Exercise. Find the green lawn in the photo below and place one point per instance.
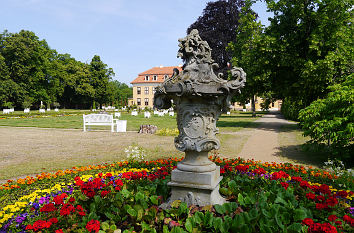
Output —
(73, 120)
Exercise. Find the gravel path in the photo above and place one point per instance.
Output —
(263, 144)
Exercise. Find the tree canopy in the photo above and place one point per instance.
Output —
(31, 72)
(311, 48)
(217, 26)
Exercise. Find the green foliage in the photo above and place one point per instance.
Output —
(311, 48)
(29, 68)
(249, 52)
(330, 121)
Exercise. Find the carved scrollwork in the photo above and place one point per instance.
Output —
(197, 127)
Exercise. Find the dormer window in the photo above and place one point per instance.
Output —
(155, 78)
(165, 77)
(146, 78)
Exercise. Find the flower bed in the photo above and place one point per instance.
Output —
(125, 197)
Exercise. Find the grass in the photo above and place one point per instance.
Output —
(226, 123)
(292, 146)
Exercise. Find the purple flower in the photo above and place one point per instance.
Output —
(35, 206)
(20, 219)
(351, 210)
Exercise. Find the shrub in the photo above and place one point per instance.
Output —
(330, 121)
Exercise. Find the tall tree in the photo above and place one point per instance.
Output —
(100, 77)
(312, 48)
(248, 50)
(28, 61)
(218, 26)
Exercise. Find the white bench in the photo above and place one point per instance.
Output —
(98, 119)
(134, 113)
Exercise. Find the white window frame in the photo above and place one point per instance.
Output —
(146, 90)
(138, 90)
(154, 78)
(146, 78)
(146, 101)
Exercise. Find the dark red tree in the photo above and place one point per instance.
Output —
(217, 26)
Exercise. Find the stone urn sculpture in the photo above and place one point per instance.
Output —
(199, 96)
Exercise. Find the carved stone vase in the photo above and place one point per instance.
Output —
(199, 96)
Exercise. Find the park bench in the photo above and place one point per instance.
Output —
(98, 119)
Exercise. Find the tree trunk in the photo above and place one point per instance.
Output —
(253, 103)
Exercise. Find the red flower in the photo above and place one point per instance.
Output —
(332, 218)
(71, 199)
(348, 220)
(53, 220)
(325, 227)
(332, 201)
(48, 208)
(93, 226)
(307, 222)
(342, 194)
(82, 213)
(284, 184)
(311, 196)
(338, 223)
(259, 171)
(79, 208)
(58, 200)
(59, 231)
(119, 182)
(296, 178)
(324, 189)
(67, 209)
(41, 224)
(29, 227)
(321, 206)
(104, 193)
(304, 184)
(241, 168)
(321, 198)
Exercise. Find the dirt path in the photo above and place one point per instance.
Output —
(263, 144)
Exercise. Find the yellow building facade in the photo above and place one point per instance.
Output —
(145, 84)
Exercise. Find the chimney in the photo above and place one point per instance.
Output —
(161, 66)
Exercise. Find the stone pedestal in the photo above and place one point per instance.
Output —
(196, 188)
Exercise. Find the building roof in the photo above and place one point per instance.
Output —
(160, 71)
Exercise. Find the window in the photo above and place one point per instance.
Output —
(146, 78)
(138, 101)
(138, 90)
(146, 101)
(146, 91)
(154, 90)
(155, 78)
(165, 77)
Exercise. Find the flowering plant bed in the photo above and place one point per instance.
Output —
(125, 197)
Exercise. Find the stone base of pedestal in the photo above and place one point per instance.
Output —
(195, 188)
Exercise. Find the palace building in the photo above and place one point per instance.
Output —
(145, 84)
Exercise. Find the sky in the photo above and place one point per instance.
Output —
(130, 36)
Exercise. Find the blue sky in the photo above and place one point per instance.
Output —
(130, 36)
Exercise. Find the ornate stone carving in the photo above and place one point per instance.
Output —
(200, 96)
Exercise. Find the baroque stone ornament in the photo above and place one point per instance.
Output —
(199, 96)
